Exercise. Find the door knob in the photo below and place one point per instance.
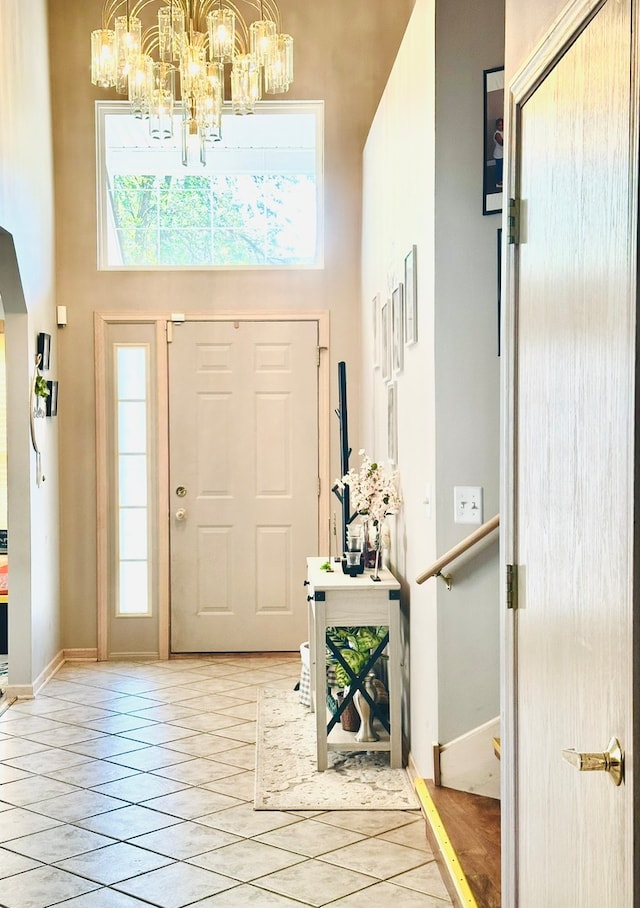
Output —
(181, 514)
(611, 761)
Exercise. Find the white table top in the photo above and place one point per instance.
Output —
(338, 580)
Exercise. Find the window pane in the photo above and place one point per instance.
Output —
(133, 533)
(132, 475)
(134, 588)
(132, 427)
(256, 203)
(132, 373)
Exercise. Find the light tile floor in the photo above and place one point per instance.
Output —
(125, 785)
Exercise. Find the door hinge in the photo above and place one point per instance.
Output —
(319, 486)
(513, 222)
(512, 586)
(169, 327)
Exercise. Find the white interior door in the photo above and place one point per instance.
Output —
(574, 463)
(244, 483)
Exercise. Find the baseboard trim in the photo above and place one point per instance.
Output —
(29, 691)
(90, 654)
(444, 851)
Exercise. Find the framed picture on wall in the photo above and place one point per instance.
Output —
(499, 284)
(375, 325)
(397, 308)
(493, 147)
(44, 351)
(385, 340)
(411, 297)
(392, 423)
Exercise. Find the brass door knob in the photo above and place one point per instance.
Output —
(611, 761)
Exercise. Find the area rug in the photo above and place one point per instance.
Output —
(286, 773)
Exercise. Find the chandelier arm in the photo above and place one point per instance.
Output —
(109, 11)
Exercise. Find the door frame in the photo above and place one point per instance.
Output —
(163, 322)
(575, 17)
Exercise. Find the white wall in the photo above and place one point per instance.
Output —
(423, 186)
(26, 212)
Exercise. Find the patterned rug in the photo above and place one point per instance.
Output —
(286, 774)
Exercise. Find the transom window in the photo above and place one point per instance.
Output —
(257, 203)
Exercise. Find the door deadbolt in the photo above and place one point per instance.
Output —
(181, 491)
(611, 761)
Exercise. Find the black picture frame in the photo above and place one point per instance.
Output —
(51, 400)
(44, 351)
(493, 93)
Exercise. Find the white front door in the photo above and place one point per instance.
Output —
(572, 439)
(243, 416)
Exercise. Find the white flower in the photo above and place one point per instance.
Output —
(372, 491)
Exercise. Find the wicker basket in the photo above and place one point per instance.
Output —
(349, 719)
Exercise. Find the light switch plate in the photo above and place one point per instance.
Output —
(467, 504)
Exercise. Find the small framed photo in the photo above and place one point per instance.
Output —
(44, 351)
(411, 296)
(51, 400)
(397, 306)
(493, 140)
(392, 423)
(375, 325)
(385, 340)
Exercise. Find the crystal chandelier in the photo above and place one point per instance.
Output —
(190, 43)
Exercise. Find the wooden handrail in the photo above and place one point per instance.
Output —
(436, 568)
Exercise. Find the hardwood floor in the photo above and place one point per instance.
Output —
(472, 823)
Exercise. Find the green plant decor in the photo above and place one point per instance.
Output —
(355, 644)
(41, 387)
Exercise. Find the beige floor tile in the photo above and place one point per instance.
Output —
(114, 863)
(149, 758)
(199, 771)
(244, 821)
(34, 789)
(425, 879)
(203, 745)
(369, 822)
(245, 896)
(17, 822)
(55, 844)
(41, 887)
(242, 785)
(104, 898)
(383, 894)
(186, 840)
(191, 803)
(414, 835)
(376, 858)
(140, 787)
(16, 747)
(11, 774)
(314, 882)
(244, 731)
(246, 860)
(127, 822)
(105, 746)
(244, 756)
(77, 805)
(12, 863)
(176, 885)
(310, 838)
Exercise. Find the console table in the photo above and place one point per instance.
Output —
(338, 600)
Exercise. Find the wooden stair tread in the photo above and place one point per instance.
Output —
(472, 824)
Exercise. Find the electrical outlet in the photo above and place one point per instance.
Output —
(467, 504)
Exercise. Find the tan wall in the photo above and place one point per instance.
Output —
(351, 84)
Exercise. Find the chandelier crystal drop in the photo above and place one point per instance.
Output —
(180, 57)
